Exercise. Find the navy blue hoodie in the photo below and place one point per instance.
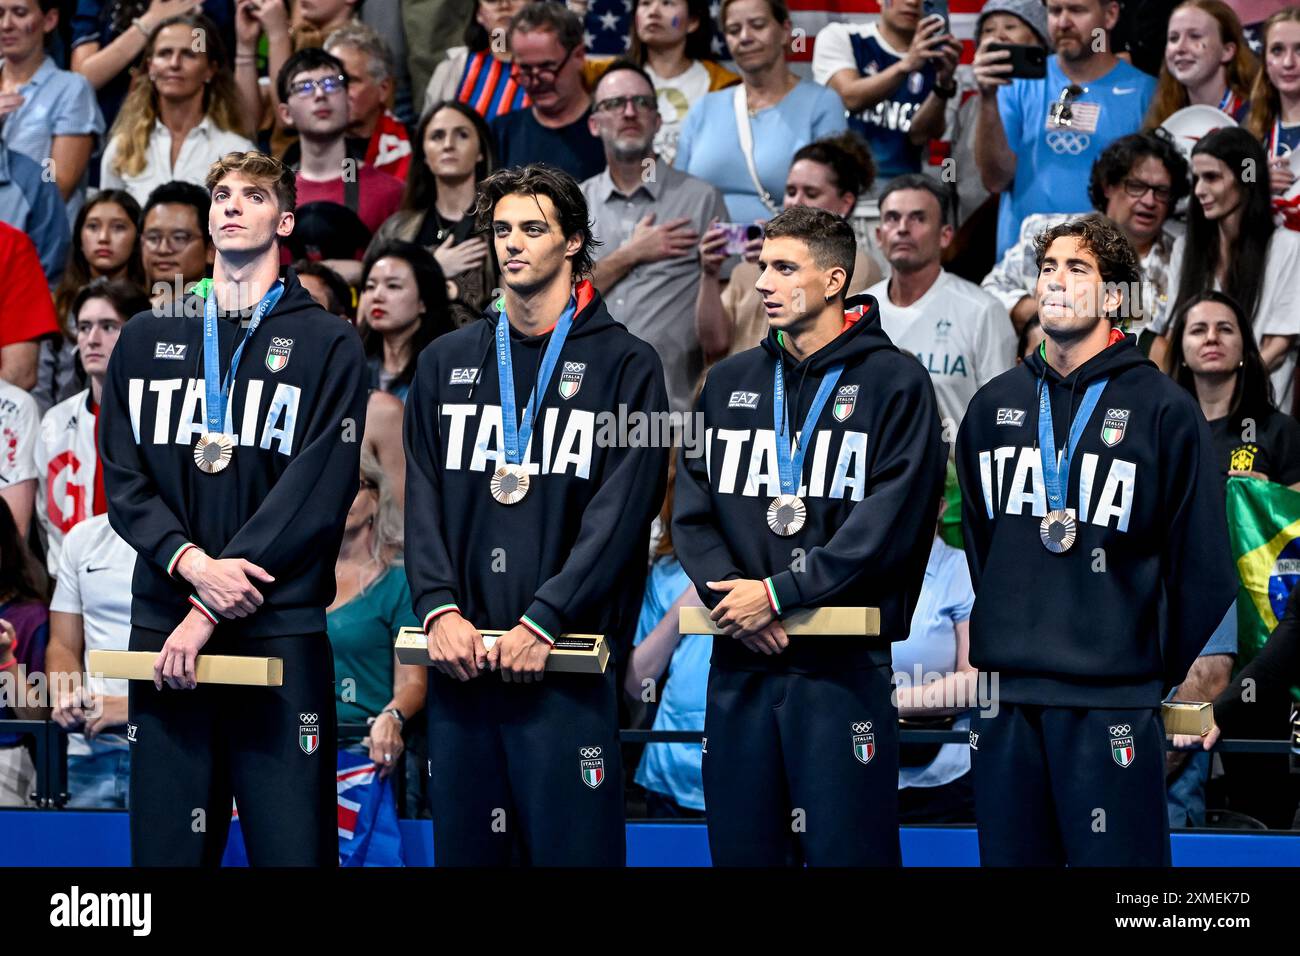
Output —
(298, 409)
(571, 556)
(872, 480)
(1119, 618)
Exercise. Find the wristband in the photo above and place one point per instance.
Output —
(945, 92)
(139, 25)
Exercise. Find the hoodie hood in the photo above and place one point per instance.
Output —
(1120, 356)
(591, 317)
(862, 335)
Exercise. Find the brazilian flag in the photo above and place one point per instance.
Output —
(1264, 524)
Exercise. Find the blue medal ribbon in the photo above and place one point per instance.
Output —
(790, 466)
(515, 433)
(1053, 477)
(218, 393)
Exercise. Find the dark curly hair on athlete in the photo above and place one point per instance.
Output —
(1116, 260)
(539, 179)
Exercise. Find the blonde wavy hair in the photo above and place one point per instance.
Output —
(139, 112)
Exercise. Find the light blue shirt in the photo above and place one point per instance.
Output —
(709, 143)
(1053, 165)
(674, 769)
(55, 103)
(33, 204)
(931, 646)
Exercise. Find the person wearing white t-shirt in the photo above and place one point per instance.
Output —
(91, 610)
(19, 424)
(961, 334)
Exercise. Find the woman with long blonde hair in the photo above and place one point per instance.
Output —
(1274, 114)
(179, 118)
(1207, 62)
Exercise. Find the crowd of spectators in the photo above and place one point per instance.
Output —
(949, 150)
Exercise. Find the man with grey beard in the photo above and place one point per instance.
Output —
(649, 217)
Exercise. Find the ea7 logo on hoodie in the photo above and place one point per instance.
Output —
(153, 402)
(1026, 492)
(1010, 416)
(463, 376)
(743, 400)
(169, 350)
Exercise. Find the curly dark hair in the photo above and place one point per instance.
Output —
(1116, 260)
(847, 157)
(540, 179)
(1117, 159)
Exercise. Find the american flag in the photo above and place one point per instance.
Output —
(608, 23)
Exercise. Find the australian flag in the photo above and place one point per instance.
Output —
(368, 831)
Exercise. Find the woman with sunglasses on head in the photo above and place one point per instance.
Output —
(181, 117)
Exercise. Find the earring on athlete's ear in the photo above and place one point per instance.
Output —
(1241, 363)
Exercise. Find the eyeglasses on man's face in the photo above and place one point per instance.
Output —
(1137, 188)
(617, 104)
(329, 85)
(541, 73)
(177, 239)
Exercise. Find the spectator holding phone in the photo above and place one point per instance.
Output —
(829, 174)
(895, 77)
(1207, 63)
(1019, 22)
(1036, 139)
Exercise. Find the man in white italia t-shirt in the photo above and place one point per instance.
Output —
(961, 334)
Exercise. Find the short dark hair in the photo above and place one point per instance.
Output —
(828, 237)
(1117, 159)
(847, 157)
(622, 63)
(177, 193)
(553, 17)
(126, 297)
(339, 291)
(539, 179)
(1116, 260)
(304, 61)
(922, 182)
